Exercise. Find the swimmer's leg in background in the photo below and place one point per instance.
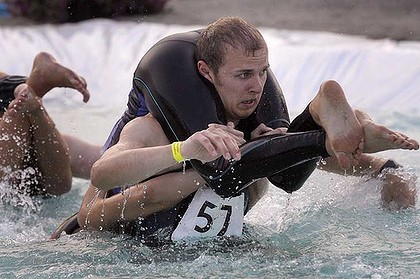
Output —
(15, 140)
(50, 150)
(82, 155)
(28, 126)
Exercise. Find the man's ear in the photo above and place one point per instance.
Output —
(205, 70)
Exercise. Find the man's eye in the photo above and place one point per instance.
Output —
(245, 75)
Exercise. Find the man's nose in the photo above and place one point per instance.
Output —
(258, 83)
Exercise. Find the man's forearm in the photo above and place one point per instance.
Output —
(140, 200)
(125, 168)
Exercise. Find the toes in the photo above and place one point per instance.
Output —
(83, 81)
(79, 84)
(86, 95)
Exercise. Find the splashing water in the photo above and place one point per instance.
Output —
(18, 196)
(334, 226)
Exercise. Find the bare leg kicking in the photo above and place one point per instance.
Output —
(30, 139)
(29, 127)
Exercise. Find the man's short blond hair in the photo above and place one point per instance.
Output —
(233, 31)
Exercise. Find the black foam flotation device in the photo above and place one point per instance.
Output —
(184, 102)
(287, 160)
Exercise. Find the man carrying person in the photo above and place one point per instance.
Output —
(139, 187)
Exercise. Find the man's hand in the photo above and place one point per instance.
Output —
(217, 140)
(263, 130)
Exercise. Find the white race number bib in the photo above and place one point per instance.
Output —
(210, 215)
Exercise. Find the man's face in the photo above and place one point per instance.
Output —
(240, 81)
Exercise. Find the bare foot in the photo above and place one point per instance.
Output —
(331, 111)
(379, 138)
(47, 73)
(25, 101)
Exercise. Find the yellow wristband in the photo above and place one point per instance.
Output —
(176, 151)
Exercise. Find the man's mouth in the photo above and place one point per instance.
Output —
(250, 102)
